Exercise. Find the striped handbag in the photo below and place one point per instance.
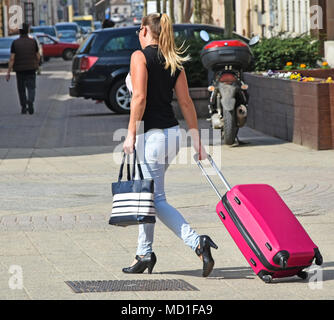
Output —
(133, 200)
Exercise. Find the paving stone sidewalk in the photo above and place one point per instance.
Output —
(54, 213)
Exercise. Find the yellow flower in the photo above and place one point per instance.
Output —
(325, 63)
(303, 66)
(296, 76)
(309, 79)
(329, 80)
(289, 64)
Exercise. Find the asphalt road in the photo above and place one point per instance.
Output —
(59, 121)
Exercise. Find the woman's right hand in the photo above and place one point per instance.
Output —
(202, 154)
(129, 144)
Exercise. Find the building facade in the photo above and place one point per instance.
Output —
(2, 31)
(267, 17)
(121, 7)
(34, 12)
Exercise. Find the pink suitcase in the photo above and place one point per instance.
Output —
(267, 233)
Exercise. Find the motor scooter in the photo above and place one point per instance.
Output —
(228, 104)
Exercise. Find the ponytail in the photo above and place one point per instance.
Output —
(162, 29)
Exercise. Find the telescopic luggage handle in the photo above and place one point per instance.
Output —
(228, 187)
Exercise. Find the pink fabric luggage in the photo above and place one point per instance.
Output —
(267, 233)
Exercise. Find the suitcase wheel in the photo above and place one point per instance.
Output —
(303, 275)
(267, 279)
(318, 257)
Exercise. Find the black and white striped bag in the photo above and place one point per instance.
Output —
(133, 200)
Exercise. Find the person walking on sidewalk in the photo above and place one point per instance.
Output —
(156, 71)
(25, 61)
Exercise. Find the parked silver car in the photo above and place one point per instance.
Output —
(6, 44)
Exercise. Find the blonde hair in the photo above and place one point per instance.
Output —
(162, 30)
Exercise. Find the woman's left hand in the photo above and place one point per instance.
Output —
(129, 144)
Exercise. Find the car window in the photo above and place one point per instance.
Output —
(121, 44)
(214, 35)
(66, 27)
(45, 40)
(218, 35)
(68, 34)
(179, 34)
(87, 44)
(5, 43)
(49, 31)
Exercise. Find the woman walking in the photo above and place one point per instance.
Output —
(156, 71)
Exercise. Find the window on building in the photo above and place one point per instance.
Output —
(287, 15)
(293, 16)
(306, 15)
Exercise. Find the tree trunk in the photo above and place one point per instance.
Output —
(198, 11)
(164, 6)
(171, 10)
(188, 11)
(158, 6)
(229, 18)
(145, 8)
(180, 11)
(207, 12)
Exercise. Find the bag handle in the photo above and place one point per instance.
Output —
(120, 177)
(135, 162)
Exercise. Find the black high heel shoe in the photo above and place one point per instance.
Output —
(148, 262)
(204, 250)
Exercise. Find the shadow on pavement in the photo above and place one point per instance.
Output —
(95, 115)
(219, 273)
(247, 273)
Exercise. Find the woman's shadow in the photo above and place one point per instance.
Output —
(219, 273)
(316, 273)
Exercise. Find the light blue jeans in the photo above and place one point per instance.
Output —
(160, 148)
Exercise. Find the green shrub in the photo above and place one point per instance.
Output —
(197, 75)
(274, 53)
(270, 54)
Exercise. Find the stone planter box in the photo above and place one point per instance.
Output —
(200, 97)
(298, 112)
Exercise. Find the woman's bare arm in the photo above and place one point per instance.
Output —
(189, 112)
(139, 76)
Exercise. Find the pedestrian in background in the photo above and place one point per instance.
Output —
(156, 71)
(24, 60)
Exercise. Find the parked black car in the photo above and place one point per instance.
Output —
(103, 61)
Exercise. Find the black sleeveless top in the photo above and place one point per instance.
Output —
(159, 112)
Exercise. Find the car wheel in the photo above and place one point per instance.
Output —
(120, 98)
(108, 105)
(68, 54)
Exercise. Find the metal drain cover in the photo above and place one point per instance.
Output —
(129, 285)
